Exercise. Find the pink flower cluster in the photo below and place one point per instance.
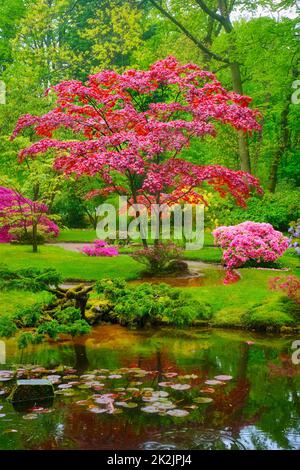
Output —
(290, 285)
(100, 248)
(249, 241)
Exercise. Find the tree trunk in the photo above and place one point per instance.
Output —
(34, 238)
(283, 144)
(242, 137)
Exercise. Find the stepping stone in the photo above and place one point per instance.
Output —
(31, 390)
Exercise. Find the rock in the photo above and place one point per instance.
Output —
(177, 266)
(31, 390)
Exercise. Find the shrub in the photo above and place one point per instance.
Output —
(152, 304)
(271, 313)
(100, 248)
(158, 258)
(249, 241)
(277, 209)
(7, 327)
(32, 279)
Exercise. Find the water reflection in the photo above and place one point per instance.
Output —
(258, 409)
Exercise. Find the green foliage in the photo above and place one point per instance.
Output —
(7, 327)
(32, 279)
(28, 317)
(159, 257)
(26, 338)
(152, 304)
(269, 314)
(278, 209)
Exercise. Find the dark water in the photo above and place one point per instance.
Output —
(259, 408)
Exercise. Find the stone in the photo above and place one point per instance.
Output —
(31, 390)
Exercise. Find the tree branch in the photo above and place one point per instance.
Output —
(210, 12)
(188, 34)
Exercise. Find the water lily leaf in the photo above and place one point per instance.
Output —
(178, 413)
(170, 375)
(203, 400)
(164, 406)
(30, 416)
(166, 384)
(213, 382)
(88, 377)
(150, 409)
(64, 386)
(180, 386)
(223, 377)
(207, 390)
(82, 402)
(95, 409)
(103, 400)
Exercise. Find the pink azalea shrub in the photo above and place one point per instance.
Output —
(249, 241)
(100, 248)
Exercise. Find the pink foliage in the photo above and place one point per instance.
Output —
(249, 241)
(231, 277)
(100, 248)
(16, 211)
(121, 134)
(289, 285)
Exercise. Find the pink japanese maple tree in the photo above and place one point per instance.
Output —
(22, 218)
(130, 129)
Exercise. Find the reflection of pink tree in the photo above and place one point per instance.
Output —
(20, 216)
(130, 129)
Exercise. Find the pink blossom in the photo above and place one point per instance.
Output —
(249, 241)
(100, 248)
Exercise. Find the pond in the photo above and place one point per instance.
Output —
(166, 389)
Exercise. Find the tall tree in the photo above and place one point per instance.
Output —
(218, 13)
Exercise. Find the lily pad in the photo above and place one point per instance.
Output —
(203, 400)
(150, 409)
(178, 413)
(207, 390)
(166, 384)
(30, 416)
(213, 382)
(97, 410)
(223, 377)
(180, 386)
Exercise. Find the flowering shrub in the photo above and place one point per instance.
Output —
(289, 285)
(250, 241)
(158, 258)
(100, 248)
(294, 232)
(17, 215)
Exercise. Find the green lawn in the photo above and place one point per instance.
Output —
(230, 302)
(12, 300)
(77, 235)
(71, 265)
